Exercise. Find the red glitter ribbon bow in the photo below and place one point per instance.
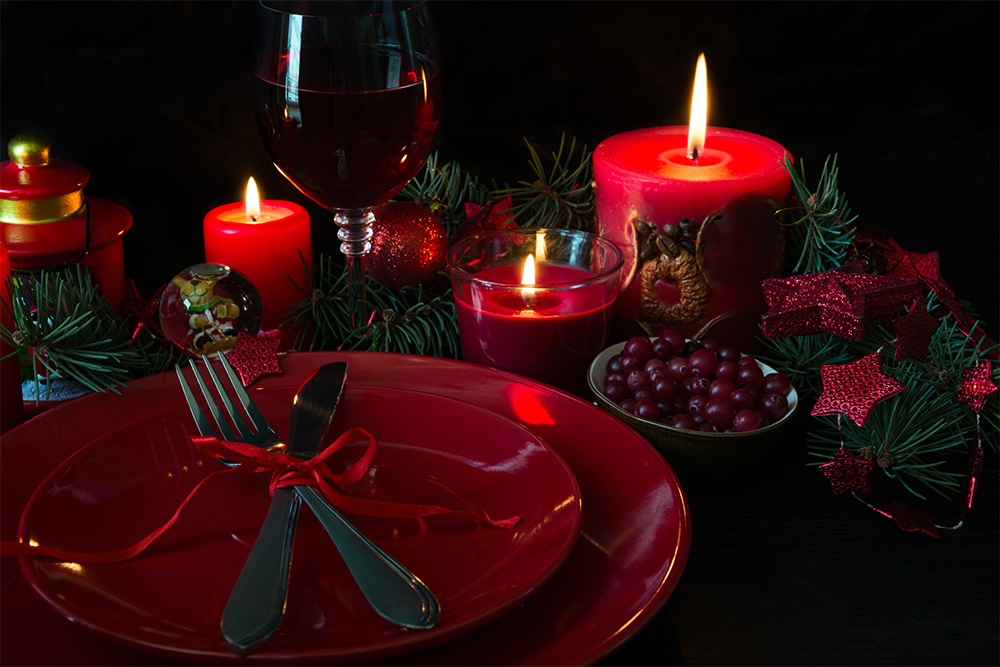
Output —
(285, 471)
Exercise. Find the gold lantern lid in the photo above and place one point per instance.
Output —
(34, 188)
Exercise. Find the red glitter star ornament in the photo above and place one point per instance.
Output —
(848, 472)
(811, 303)
(976, 386)
(254, 356)
(910, 519)
(854, 389)
(493, 216)
(914, 332)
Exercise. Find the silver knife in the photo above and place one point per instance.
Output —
(257, 603)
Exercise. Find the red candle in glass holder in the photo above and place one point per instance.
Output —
(693, 209)
(263, 241)
(544, 319)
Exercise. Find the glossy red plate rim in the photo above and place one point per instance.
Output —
(616, 579)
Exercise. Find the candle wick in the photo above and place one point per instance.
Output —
(253, 218)
(694, 155)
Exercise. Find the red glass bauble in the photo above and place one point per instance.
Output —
(408, 245)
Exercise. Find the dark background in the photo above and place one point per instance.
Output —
(153, 98)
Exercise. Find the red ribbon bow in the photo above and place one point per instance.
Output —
(285, 471)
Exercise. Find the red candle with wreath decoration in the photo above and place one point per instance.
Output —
(693, 210)
(263, 241)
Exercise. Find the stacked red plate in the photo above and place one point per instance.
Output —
(564, 586)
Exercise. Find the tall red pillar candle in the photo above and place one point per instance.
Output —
(548, 328)
(264, 246)
(11, 401)
(697, 226)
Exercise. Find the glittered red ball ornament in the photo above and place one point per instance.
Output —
(408, 245)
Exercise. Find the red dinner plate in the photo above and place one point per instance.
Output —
(634, 538)
(432, 450)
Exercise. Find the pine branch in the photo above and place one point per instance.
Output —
(67, 327)
(561, 197)
(405, 320)
(823, 235)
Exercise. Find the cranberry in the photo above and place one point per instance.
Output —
(630, 362)
(678, 368)
(726, 370)
(615, 377)
(663, 349)
(774, 406)
(616, 391)
(743, 398)
(639, 394)
(646, 409)
(627, 405)
(746, 420)
(710, 344)
(664, 389)
(640, 346)
(776, 383)
(653, 363)
(719, 413)
(637, 380)
(728, 353)
(721, 389)
(674, 338)
(696, 405)
(702, 362)
(748, 374)
(682, 421)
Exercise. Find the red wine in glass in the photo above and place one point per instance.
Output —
(349, 150)
(347, 98)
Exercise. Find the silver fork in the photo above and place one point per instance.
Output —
(395, 593)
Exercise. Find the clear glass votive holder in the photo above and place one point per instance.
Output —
(549, 326)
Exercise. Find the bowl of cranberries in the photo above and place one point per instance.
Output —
(703, 404)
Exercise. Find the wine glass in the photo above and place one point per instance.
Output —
(347, 100)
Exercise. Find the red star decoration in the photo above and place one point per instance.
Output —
(254, 357)
(914, 332)
(854, 389)
(493, 216)
(976, 386)
(910, 519)
(848, 472)
(925, 267)
(811, 303)
(881, 296)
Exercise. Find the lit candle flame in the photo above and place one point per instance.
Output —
(528, 278)
(252, 202)
(699, 112)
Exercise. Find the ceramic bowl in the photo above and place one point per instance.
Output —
(694, 452)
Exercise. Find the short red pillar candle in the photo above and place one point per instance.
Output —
(729, 189)
(11, 401)
(548, 328)
(264, 246)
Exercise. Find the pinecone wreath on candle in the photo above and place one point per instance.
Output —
(669, 264)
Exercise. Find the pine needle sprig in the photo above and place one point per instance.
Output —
(823, 235)
(445, 191)
(558, 197)
(407, 320)
(70, 331)
(799, 358)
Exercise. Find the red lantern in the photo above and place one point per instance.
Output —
(47, 223)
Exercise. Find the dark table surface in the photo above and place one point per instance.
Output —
(784, 572)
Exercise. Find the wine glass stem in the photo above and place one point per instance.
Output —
(355, 235)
